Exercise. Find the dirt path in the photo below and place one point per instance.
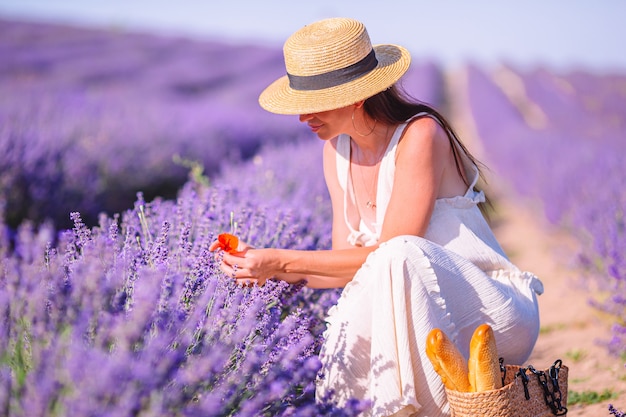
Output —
(571, 329)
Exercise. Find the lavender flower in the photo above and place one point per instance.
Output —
(140, 302)
(616, 412)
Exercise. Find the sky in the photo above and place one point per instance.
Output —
(561, 35)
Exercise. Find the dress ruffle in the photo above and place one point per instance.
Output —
(471, 199)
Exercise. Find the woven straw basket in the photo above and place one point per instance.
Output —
(510, 400)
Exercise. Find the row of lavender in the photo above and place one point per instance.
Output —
(89, 117)
(132, 317)
(561, 138)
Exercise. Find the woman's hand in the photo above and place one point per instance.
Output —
(251, 265)
(246, 264)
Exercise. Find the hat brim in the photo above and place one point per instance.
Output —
(280, 98)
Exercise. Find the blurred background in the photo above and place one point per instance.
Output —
(560, 34)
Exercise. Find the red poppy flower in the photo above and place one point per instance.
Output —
(228, 243)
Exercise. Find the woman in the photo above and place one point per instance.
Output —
(409, 243)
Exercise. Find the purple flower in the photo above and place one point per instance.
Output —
(616, 412)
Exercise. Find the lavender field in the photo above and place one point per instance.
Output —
(122, 156)
(559, 139)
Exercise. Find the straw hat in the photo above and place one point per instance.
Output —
(331, 64)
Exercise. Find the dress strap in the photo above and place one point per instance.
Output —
(343, 160)
(350, 212)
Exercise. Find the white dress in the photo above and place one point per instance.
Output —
(455, 278)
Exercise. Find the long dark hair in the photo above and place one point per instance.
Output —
(393, 106)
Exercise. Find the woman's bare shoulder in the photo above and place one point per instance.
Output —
(424, 132)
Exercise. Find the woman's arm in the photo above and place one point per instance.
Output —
(321, 269)
(420, 165)
(422, 159)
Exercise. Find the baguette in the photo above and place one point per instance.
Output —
(483, 363)
(447, 361)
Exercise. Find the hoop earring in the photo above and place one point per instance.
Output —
(357, 131)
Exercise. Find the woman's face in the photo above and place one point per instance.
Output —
(331, 123)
